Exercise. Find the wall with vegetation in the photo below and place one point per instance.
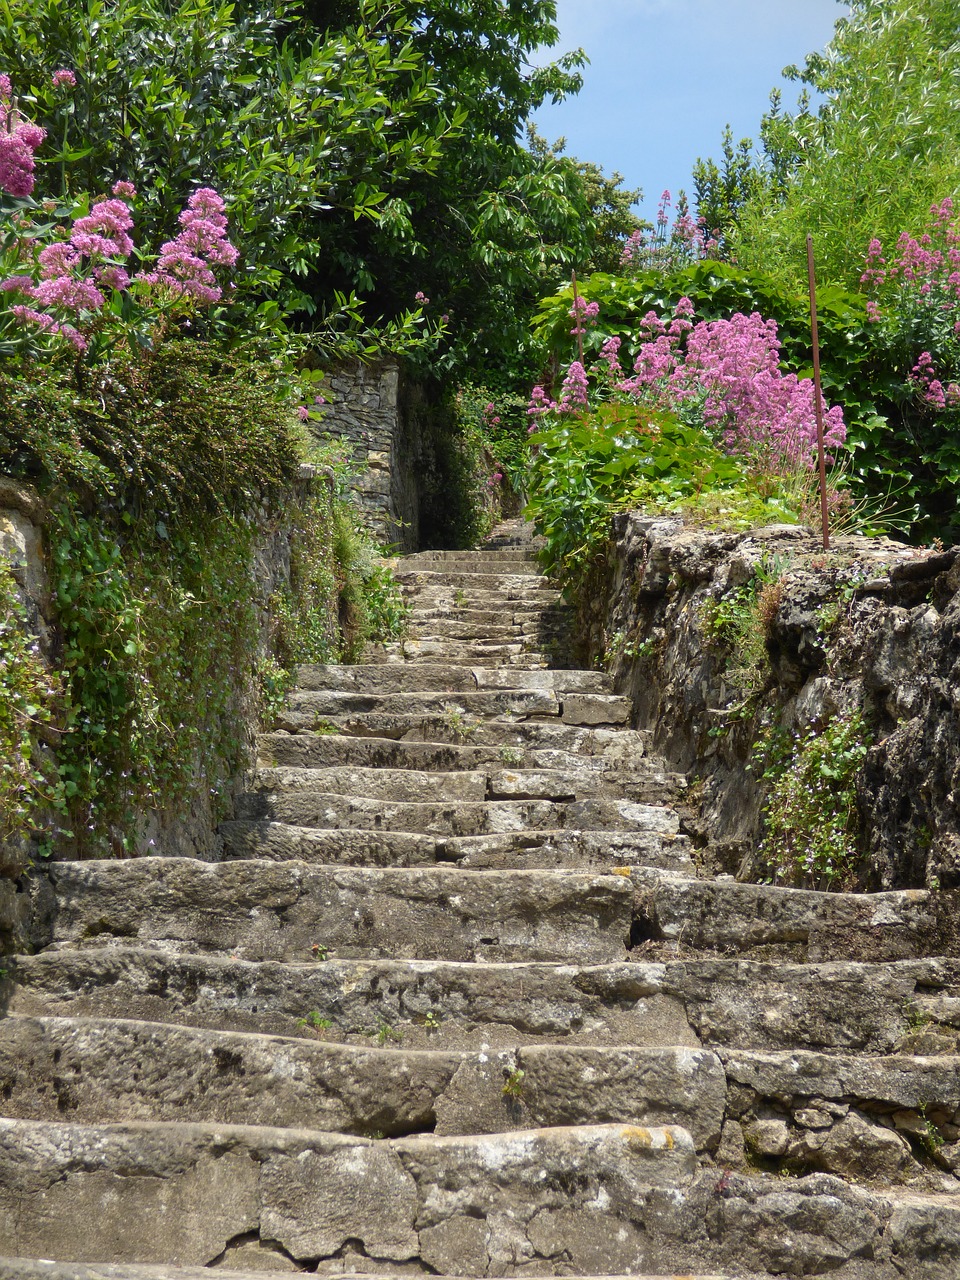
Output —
(812, 696)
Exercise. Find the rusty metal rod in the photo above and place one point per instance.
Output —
(818, 395)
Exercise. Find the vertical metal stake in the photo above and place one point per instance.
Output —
(818, 401)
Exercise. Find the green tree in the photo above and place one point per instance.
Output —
(874, 157)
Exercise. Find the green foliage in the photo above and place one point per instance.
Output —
(738, 623)
(722, 190)
(810, 816)
(158, 639)
(299, 137)
(31, 715)
(620, 456)
(872, 160)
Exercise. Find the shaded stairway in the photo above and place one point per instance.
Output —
(456, 1002)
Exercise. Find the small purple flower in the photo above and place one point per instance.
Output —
(64, 77)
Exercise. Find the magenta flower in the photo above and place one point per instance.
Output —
(124, 190)
(62, 77)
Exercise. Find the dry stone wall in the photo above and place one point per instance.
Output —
(366, 413)
(872, 626)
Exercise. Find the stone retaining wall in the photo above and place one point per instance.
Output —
(872, 626)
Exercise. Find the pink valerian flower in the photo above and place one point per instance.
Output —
(610, 355)
(64, 77)
(421, 298)
(573, 393)
(583, 313)
(103, 233)
(730, 369)
(6, 88)
(185, 265)
(27, 315)
(303, 413)
(19, 140)
(124, 190)
(540, 403)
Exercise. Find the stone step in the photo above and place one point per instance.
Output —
(767, 921)
(593, 851)
(844, 1008)
(418, 786)
(616, 1199)
(38, 1269)
(503, 582)
(101, 1071)
(381, 678)
(306, 706)
(470, 562)
(620, 763)
(458, 728)
(329, 750)
(504, 555)
(535, 631)
(326, 809)
(279, 911)
(501, 613)
(453, 653)
(892, 1119)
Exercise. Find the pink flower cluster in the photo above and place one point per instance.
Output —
(931, 262)
(573, 393)
(583, 313)
(664, 250)
(19, 142)
(730, 370)
(185, 266)
(931, 389)
(540, 404)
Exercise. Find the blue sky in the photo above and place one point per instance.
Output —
(665, 76)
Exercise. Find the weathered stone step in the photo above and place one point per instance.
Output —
(99, 1071)
(593, 851)
(469, 562)
(573, 708)
(516, 653)
(187, 1191)
(272, 910)
(326, 809)
(380, 678)
(893, 1119)
(38, 1269)
(767, 921)
(460, 728)
(329, 750)
(502, 555)
(613, 1198)
(837, 1008)
(504, 582)
(419, 786)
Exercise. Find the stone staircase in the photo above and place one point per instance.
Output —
(456, 1002)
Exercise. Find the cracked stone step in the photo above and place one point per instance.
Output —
(468, 786)
(835, 1008)
(185, 1192)
(98, 1071)
(272, 910)
(308, 808)
(614, 1199)
(768, 921)
(381, 678)
(514, 652)
(517, 850)
(329, 750)
(304, 708)
(34, 1269)
(467, 730)
(503, 582)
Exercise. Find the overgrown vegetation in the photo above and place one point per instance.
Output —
(810, 815)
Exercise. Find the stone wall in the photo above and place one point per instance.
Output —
(872, 626)
(365, 412)
(179, 830)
